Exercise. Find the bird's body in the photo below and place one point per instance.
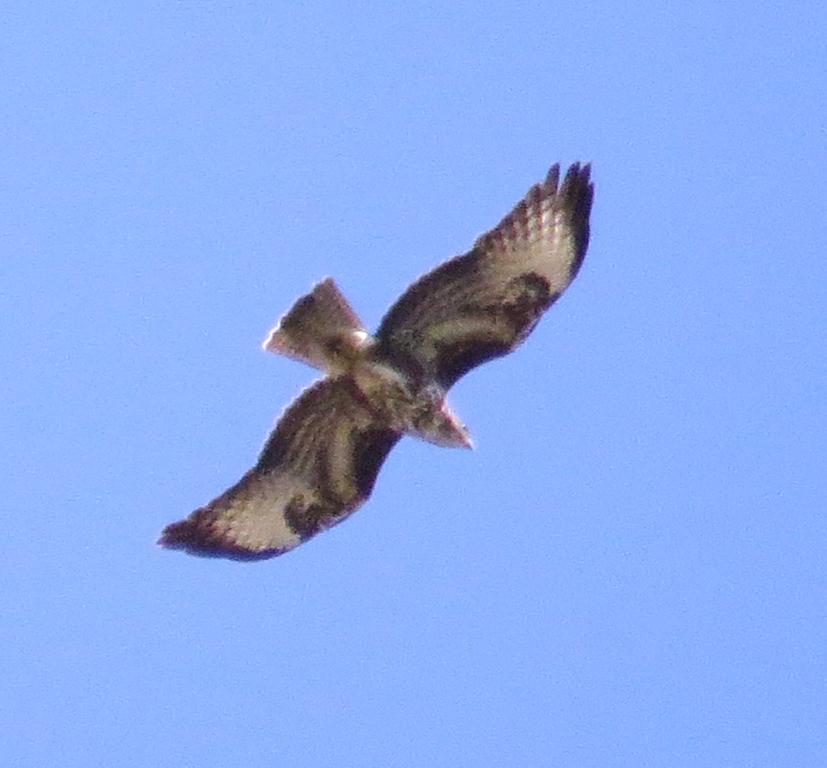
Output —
(399, 395)
(409, 406)
(321, 461)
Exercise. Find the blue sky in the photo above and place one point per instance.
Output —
(628, 570)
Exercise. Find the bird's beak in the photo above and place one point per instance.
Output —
(467, 442)
(456, 432)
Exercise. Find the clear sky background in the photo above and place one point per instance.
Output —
(630, 568)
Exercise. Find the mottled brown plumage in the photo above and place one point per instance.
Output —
(320, 463)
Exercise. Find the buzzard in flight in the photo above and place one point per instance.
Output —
(319, 464)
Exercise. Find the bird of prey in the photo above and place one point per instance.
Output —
(319, 464)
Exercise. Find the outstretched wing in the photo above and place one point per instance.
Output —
(484, 303)
(317, 467)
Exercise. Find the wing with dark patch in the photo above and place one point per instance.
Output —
(314, 322)
(317, 467)
(484, 303)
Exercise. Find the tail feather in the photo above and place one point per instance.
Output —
(316, 319)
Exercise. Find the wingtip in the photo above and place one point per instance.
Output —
(577, 189)
(578, 171)
(176, 535)
(275, 342)
(577, 177)
(553, 176)
(186, 537)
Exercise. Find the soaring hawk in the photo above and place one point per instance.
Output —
(319, 464)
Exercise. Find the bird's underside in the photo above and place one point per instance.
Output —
(321, 461)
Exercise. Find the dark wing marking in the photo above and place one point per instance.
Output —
(317, 467)
(484, 303)
(311, 323)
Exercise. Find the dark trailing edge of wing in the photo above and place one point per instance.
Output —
(578, 191)
(372, 448)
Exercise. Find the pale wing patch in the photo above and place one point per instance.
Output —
(340, 463)
(540, 234)
(255, 520)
